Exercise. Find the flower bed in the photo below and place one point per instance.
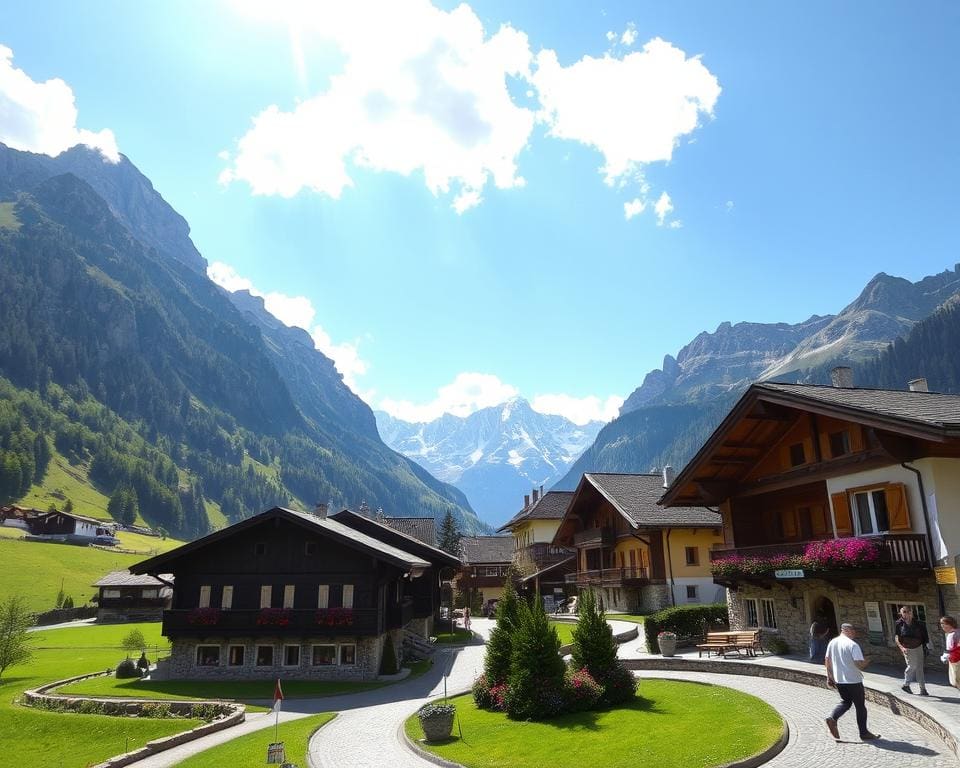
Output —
(273, 617)
(827, 555)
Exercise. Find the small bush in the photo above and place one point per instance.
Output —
(208, 712)
(685, 620)
(481, 693)
(620, 686)
(388, 661)
(776, 645)
(126, 668)
(157, 710)
(133, 641)
(499, 694)
(67, 603)
(90, 707)
(580, 691)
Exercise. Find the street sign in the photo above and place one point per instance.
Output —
(794, 573)
(275, 753)
(945, 574)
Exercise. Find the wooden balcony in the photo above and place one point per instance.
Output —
(543, 554)
(472, 582)
(593, 537)
(285, 622)
(609, 577)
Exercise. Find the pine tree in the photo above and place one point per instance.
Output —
(593, 644)
(15, 620)
(536, 669)
(449, 535)
(500, 645)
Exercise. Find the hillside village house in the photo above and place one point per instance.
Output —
(639, 556)
(296, 595)
(64, 527)
(485, 561)
(123, 596)
(543, 565)
(837, 502)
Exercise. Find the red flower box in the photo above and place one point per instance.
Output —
(335, 617)
(204, 616)
(273, 617)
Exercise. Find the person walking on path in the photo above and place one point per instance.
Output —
(466, 618)
(952, 657)
(844, 662)
(912, 639)
(819, 637)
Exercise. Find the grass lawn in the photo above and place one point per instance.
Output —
(31, 738)
(564, 631)
(250, 751)
(671, 724)
(458, 636)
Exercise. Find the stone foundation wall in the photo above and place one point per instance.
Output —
(183, 655)
(794, 603)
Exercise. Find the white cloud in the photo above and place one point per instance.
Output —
(629, 36)
(729, 206)
(663, 208)
(421, 92)
(633, 109)
(299, 312)
(611, 36)
(42, 117)
(676, 224)
(633, 208)
(579, 410)
(467, 393)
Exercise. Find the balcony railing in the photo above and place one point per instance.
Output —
(333, 621)
(543, 554)
(594, 537)
(608, 577)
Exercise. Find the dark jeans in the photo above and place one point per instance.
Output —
(852, 696)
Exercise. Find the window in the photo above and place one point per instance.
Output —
(797, 455)
(266, 596)
(208, 655)
(204, 596)
(226, 599)
(691, 591)
(235, 656)
(348, 595)
(107, 593)
(767, 614)
(288, 593)
(870, 510)
(323, 596)
(260, 548)
(309, 548)
(291, 655)
(760, 612)
(693, 555)
(149, 594)
(324, 655)
(491, 570)
(839, 443)
(348, 655)
(264, 655)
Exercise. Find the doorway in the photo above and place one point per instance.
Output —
(823, 607)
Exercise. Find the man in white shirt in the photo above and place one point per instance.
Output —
(844, 662)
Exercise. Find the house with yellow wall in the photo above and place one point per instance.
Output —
(638, 555)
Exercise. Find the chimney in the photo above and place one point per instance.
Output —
(842, 377)
(668, 476)
(541, 491)
(321, 510)
(918, 385)
(526, 500)
(534, 495)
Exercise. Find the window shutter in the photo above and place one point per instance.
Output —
(856, 439)
(266, 595)
(288, 593)
(348, 595)
(841, 513)
(785, 457)
(323, 596)
(205, 596)
(897, 508)
(818, 521)
(788, 519)
(226, 599)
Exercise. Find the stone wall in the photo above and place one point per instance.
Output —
(794, 603)
(647, 599)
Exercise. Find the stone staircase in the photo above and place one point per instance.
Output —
(416, 647)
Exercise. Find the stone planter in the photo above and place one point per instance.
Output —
(437, 721)
(668, 645)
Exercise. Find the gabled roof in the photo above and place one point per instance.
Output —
(636, 496)
(551, 506)
(328, 527)
(421, 528)
(127, 579)
(385, 532)
(487, 549)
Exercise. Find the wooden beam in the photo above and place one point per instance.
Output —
(733, 459)
(899, 447)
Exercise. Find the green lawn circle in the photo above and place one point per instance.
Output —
(670, 724)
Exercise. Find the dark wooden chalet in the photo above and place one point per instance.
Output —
(837, 503)
(485, 561)
(124, 596)
(293, 595)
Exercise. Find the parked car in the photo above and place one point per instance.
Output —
(490, 607)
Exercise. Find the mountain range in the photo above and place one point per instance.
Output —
(494, 455)
(123, 358)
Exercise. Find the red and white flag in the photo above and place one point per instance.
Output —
(277, 696)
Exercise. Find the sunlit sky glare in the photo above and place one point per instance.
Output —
(464, 203)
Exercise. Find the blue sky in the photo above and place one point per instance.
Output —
(441, 199)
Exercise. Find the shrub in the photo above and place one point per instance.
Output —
(496, 665)
(685, 620)
(620, 685)
(536, 669)
(481, 693)
(207, 712)
(133, 641)
(127, 668)
(580, 691)
(388, 661)
(156, 709)
(777, 645)
(67, 603)
(90, 707)
(593, 644)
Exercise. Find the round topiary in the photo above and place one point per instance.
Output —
(127, 668)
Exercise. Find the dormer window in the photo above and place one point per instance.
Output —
(797, 455)
(839, 443)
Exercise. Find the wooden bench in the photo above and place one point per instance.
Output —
(722, 643)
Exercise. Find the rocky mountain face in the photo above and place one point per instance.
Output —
(495, 455)
(667, 418)
(142, 371)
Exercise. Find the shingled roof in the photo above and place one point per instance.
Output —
(487, 549)
(551, 506)
(635, 496)
(422, 528)
(127, 579)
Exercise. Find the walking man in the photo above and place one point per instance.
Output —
(912, 640)
(844, 662)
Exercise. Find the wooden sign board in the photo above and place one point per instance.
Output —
(275, 753)
(946, 574)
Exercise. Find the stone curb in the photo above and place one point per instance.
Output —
(310, 763)
(619, 639)
(894, 703)
(403, 738)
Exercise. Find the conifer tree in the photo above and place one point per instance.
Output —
(499, 646)
(536, 669)
(593, 644)
(449, 540)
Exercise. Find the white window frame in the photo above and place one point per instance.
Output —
(226, 598)
(855, 512)
(323, 596)
(289, 592)
(696, 592)
(204, 596)
(229, 651)
(313, 654)
(283, 660)
(256, 655)
(266, 596)
(347, 600)
(196, 655)
(760, 606)
(340, 648)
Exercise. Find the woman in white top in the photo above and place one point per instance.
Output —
(949, 625)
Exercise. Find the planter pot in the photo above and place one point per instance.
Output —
(437, 727)
(668, 645)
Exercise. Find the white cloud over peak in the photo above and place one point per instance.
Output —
(579, 410)
(467, 393)
(42, 117)
(299, 312)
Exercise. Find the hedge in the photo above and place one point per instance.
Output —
(685, 620)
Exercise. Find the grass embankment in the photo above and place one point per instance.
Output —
(666, 724)
(457, 637)
(32, 738)
(250, 751)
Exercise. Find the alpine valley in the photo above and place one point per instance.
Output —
(124, 367)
